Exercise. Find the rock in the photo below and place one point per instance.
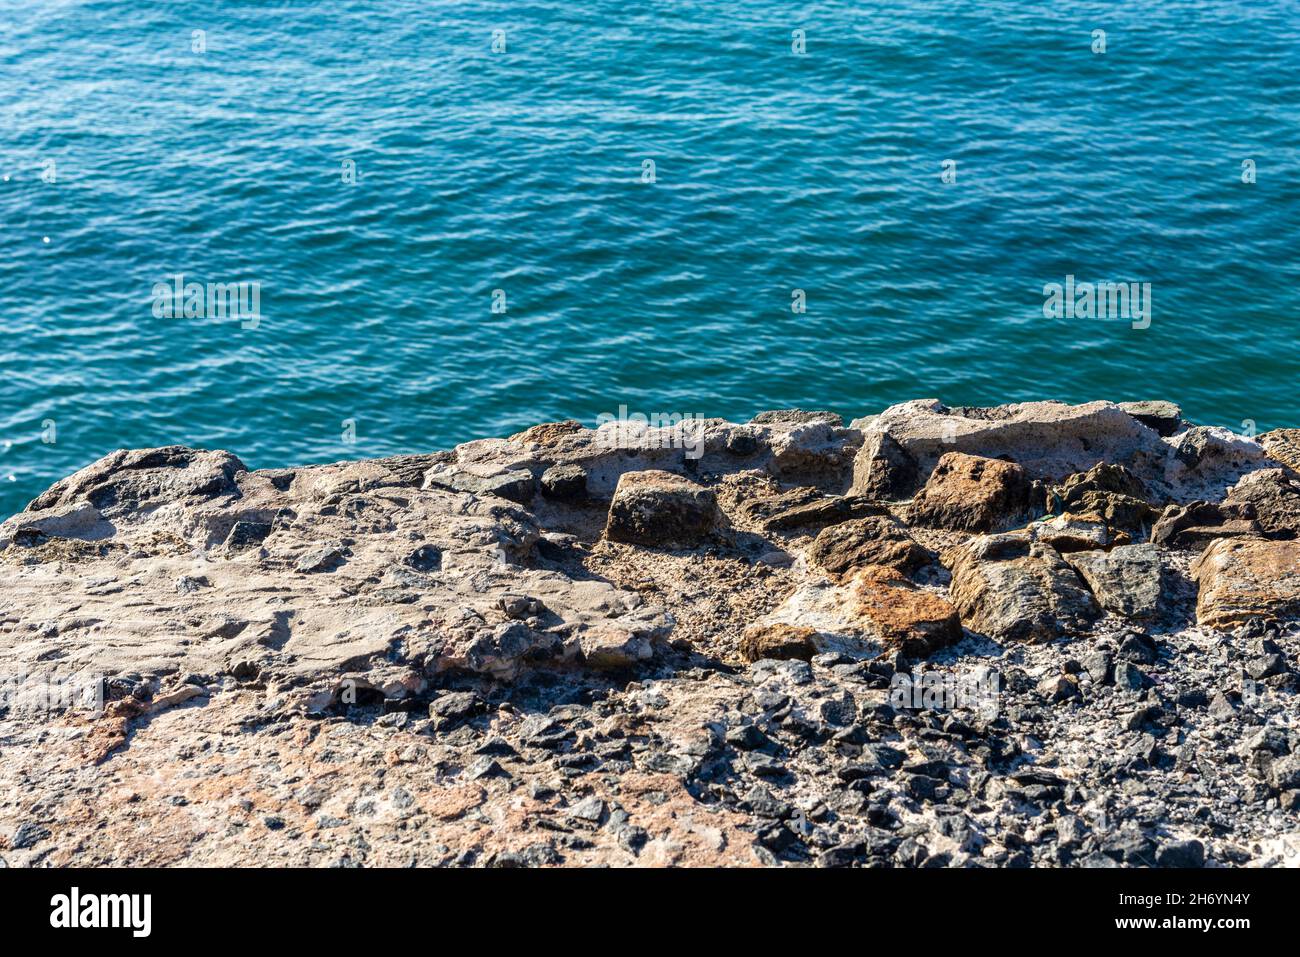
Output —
(1102, 477)
(244, 534)
(454, 707)
(1274, 499)
(1181, 854)
(1076, 533)
(903, 616)
(778, 640)
(1050, 440)
(972, 493)
(1282, 445)
(1129, 580)
(1035, 598)
(661, 509)
(1165, 417)
(1284, 773)
(27, 835)
(1059, 688)
(878, 541)
(1130, 678)
(326, 558)
(609, 648)
(565, 483)
(1098, 665)
(1244, 579)
(129, 479)
(819, 513)
(512, 484)
(883, 469)
(796, 417)
(1198, 523)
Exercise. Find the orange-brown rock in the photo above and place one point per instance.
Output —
(972, 493)
(903, 615)
(778, 640)
(876, 541)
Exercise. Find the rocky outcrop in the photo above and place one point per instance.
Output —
(938, 636)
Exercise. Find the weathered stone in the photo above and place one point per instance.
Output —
(878, 541)
(660, 508)
(129, 479)
(1076, 532)
(903, 616)
(778, 641)
(1129, 580)
(1193, 525)
(610, 648)
(1274, 498)
(796, 417)
(1165, 417)
(883, 469)
(1102, 477)
(515, 485)
(1282, 445)
(971, 493)
(565, 483)
(1245, 579)
(1034, 598)
(821, 512)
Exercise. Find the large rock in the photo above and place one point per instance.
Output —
(661, 509)
(1274, 497)
(778, 640)
(883, 469)
(1245, 579)
(877, 541)
(1165, 417)
(129, 480)
(1050, 439)
(1033, 598)
(972, 493)
(1129, 580)
(1195, 524)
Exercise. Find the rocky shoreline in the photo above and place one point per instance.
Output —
(1029, 635)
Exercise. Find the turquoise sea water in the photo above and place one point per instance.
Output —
(522, 171)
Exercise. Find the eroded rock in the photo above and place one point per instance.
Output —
(1241, 580)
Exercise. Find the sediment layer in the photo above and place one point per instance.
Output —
(1035, 634)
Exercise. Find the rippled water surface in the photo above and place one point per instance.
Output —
(521, 171)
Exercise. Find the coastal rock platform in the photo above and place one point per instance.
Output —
(1028, 635)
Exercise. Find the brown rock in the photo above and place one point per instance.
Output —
(778, 641)
(904, 616)
(661, 508)
(971, 493)
(1282, 445)
(1274, 496)
(1034, 598)
(1183, 526)
(865, 542)
(1244, 579)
